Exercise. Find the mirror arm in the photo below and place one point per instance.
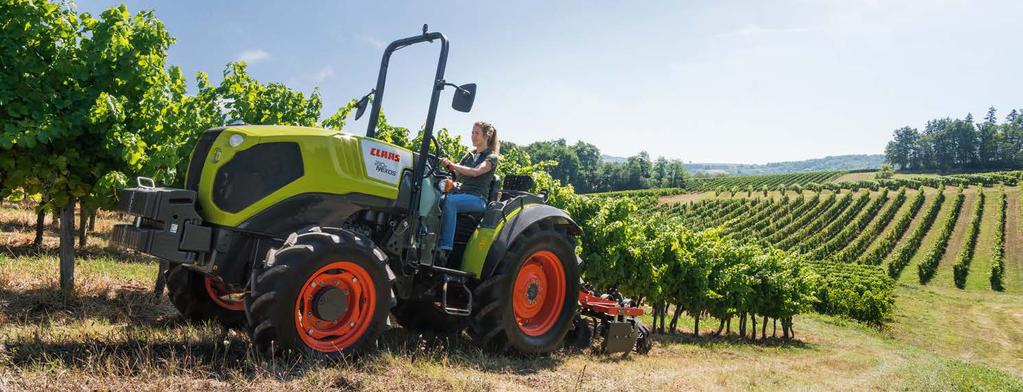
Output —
(442, 83)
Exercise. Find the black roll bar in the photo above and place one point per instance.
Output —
(438, 85)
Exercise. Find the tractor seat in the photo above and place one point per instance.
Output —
(495, 186)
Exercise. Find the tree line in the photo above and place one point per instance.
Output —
(947, 144)
(582, 165)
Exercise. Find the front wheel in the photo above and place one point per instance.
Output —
(200, 297)
(322, 293)
(528, 306)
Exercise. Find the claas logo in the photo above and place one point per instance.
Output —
(384, 154)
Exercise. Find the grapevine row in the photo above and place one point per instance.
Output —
(849, 231)
(929, 265)
(962, 265)
(857, 247)
(905, 252)
(998, 252)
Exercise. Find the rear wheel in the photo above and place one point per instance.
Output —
(322, 293)
(529, 304)
(200, 297)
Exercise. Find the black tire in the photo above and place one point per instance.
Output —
(493, 325)
(186, 289)
(278, 281)
(423, 316)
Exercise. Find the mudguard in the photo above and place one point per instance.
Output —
(516, 222)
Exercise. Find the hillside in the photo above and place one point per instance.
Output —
(830, 163)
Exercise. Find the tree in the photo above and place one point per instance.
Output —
(104, 85)
(589, 165)
(39, 38)
(248, 100)
(885, 172)
(900, 150)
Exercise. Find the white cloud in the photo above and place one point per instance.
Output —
(253, 55)
(323, 74)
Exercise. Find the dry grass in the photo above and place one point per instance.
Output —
(114, 334)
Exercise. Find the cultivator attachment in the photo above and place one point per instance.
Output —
(615, 322)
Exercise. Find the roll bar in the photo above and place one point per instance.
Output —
(431, 115)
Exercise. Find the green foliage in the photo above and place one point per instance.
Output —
(959, 144)
(656, 256)
(997, 277)
(38, 47)
(582, 166)
(886, 172)
(962, 265)
(905, 252)
(929, 265)
(862, 292)
(863, 241)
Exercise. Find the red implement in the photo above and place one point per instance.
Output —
(591, 302)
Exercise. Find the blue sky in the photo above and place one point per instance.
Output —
(702, 81)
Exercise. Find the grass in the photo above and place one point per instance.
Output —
(980, 268)
(115, 334)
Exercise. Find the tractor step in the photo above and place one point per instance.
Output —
(453, 310)
(449, 271)
(451, 277)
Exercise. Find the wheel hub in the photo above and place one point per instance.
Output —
(330, 303)
(532, 291)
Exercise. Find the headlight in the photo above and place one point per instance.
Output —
(235, 140)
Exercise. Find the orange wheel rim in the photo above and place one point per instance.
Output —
(335, 335)
(223, 296)
(538, 294)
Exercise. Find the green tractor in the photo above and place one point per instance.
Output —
(311, 239)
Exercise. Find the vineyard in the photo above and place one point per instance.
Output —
(881, 223)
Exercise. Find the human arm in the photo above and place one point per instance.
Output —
(483, 168)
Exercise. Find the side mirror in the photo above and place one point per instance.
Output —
(360, 107)
(464, 96)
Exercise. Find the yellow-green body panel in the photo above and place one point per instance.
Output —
(479, 244)
(333, 163)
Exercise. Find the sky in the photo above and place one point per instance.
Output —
(701, 81)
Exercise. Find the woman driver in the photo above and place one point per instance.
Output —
(474, 172)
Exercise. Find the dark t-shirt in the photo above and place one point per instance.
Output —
(479, 185)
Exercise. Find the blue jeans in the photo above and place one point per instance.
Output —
(455, 203)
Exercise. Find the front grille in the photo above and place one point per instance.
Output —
(255, 173)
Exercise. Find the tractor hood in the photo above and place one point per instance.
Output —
(238, 171)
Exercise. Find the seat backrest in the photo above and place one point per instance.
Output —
(495, 186)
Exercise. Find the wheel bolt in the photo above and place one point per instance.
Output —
(354, 279)
(352, 324)
(310, 331)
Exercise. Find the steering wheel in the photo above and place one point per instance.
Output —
(434, 161)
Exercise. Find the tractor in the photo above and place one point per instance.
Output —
(312, 240)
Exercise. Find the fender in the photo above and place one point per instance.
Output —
(506, 232)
